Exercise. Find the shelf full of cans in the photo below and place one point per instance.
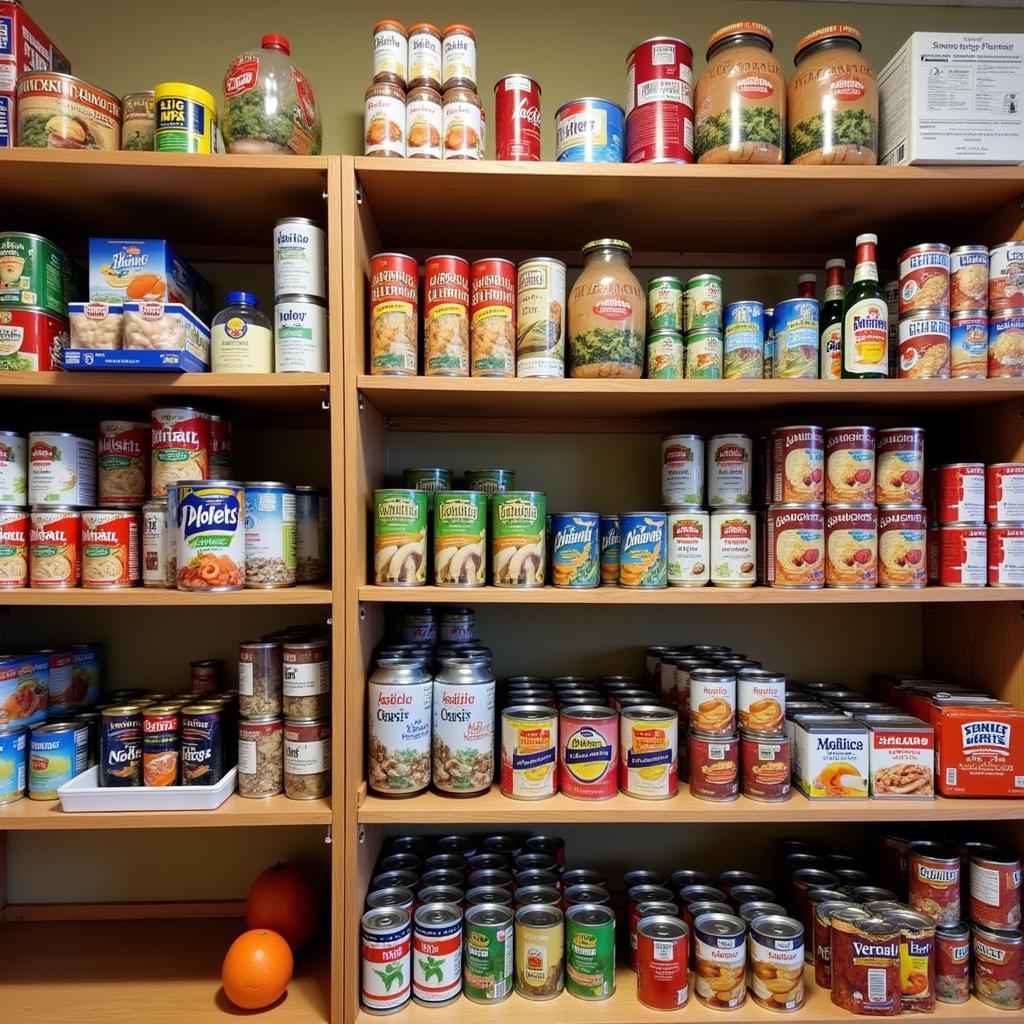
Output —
(956, 314)
(152, 503)
(489, 916)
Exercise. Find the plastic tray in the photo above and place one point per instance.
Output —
(83, 793)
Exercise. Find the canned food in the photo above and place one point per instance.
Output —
(518, 538)
(969, 345)
(13, 763)
(865, 963)
(968, 265)
(31, 339)
(529, 741)
(1006, 343)
(400, 537)
(61, 469)
(648, 752)
(575, 539)
(935, 881)
(458, 625)
(123, 462)
(924, 345)
(702, 303)
(394, 314)
(666, 355)
(446, 317)
(33, 271)
(58, 111)
(733, 547)
(492, 318)
(730, 469)
(795, 544)
(642, 888)
(665, 304)
(540, 318)
(588, 131)
(55, 548)
(390, 52)
(995, 885)
(180, 447)
(610, 539)
(917, 960)
(643, 549)
(517, 118)
(659, 102)
(704, 354)
(121, 746)
(963, 560)
(761, 701)
(386, 939)
(160, 744)
(777, 963)
(721, 958)
(1006, 276)
(850, 465)
(795, 352)
(588, 752)
(1005, 554)
(714, 766)
(998, 967)
(211, 535)
(924, 278)
(463, 743)
(590, 951)
(900, 469)
(185, 119)
(689, 552)
(961, 493)
(488, 953)
(57, 752)
(14, 548)
(682, 469)
(744, 340)
(798, 465)
(851, 546)
(424, 118)
(110, 549)
(460, 538)
(539, 952)
(712, 701)
(662, 962)
(384, 123)
(765, 767)
(437, 954)
(202, 745)
(952, 963)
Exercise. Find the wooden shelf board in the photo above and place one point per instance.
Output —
(618, 596)
(164, 971)
(158, 597)
(555, 400)
(280, 392)
(624, 1008)
(495, 808)
(236, 812)
(673, 210)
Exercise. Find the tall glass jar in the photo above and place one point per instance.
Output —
(833, 100)
(740, 101)
(607, 314)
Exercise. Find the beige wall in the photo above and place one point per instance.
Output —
(572, 48)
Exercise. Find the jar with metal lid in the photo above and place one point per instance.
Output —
(832, 100)
(260, 759)
(458, 57)
(607, 314)
(740, 100)
(307, 758)
(425, 56)
(424, 123)
(461, 122)
(384, 120)
(259, 678)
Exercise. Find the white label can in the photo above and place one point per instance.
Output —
(689, 553)
(399, 715)
(682, 469)
(529, 740)
(733, 547)
(463, 737)
(13, 469)
(298, 257)
(300, 334)
(61, 469)
(730, 480)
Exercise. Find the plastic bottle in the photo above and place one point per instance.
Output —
(241, 338)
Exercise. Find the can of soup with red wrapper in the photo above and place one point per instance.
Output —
(517, 118)
(659, 102)
(662, 962)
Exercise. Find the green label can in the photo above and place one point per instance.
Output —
(400, 538)
(590, 951)
(33, 272)
(460, 539)
(702, 303)
(490, 481)
(487, 962)
(704, 353)
(431, 480)
(518, 531)
(664, 304)
(665, 355)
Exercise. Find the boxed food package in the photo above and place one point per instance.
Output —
(23, 47)
(953, 98)
(831, 757)
(980, 749)
(902, 759)
(145, 270)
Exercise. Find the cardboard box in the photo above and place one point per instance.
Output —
(953, 98)
(980, 750)
(23, 47)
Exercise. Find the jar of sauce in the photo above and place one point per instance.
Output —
(833, 100)
(741, 99)
(607, 314)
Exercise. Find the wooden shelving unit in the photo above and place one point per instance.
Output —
(146, 597)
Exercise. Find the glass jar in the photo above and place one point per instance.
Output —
(607, 314)
(740, 101)
(241, 338)
(260, 756)
(260, 678)
(833, 100)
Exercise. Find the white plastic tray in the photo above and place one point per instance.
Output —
(83, 793)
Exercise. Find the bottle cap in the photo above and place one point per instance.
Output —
(275, 42)
(242, 299)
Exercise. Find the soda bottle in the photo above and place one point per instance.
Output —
(865, 318)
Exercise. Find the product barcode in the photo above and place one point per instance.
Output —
(1018, 781)
(876, 986)
(950, 776)
(500, 989)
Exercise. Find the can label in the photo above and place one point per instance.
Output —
(298, 258)
(1006, 342)
(110, 549)
(211, 537)
(394, 306)
(969, 346)
(424, 124)
(744, 340)
(961, 494)
(968, 268)
(55, 756)
(488, 952)
(540, 319)
(590, 958)
(998, 963)
(730, 461)
(55, 549)
(995, 893)
(1004, 490)
(796, 339)
(180, 447)
(714, 767)
(1006, 277)
(648, 755)
(721, 970)
(900, 469)
(702, 303)
(14, 548)
(795, 546)
(704, 354)
(517, 118)
(777, 971)
(202, 755)
(850, 465)
(517, 530)
(924, 346)
(610, 550)
(123, 462)
(952, 966)
(13, 765)
(390, 51)
(733, 547)
(765, 766)
(1005, 555)
(761, 704)
(665, 305)
(400, 537)
(662, 970)
(463, 737)
(61, 470)
(384, 121)
(121, 750)
(540, 960)
(682, 470)
(492, 316)
(935, 888)
(901, 547)
(589, 131)
(851, 547)
(689, 548)
(589, 757)
(13, 469)
(643, 551)
(387, 968)
(964, 556)
(574, 549)
(713, 704)
(437, 961)
(425, 56)
(160, 748)
(798, 465)
(528, 746)
(924, 279)
(460, 539)
(446, 317)
(666, 355)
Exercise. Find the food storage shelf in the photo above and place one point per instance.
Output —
(277, 392)
(493, 807)
(236, 812)
(32, 597)
(618, 596)
(553, 401)
(623, 1007)
(124, 971)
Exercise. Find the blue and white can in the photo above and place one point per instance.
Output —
(744, 340)
(57, 753)
(643, 552)
(24, 690)
(13, 763)
(575, 549)
(270, 521)
(796, 339)
(969, 345)
(610, 539)
(590, 131)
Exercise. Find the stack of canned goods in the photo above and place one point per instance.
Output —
(423, 101)
(300, 311)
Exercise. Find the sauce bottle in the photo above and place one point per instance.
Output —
(831, 346)
(865, 318)
(807, 286)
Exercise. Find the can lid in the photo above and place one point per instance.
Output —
(662, 927)
(776, 926)
(539, 916)
(490, 914)
(437, 913)
(590, 913)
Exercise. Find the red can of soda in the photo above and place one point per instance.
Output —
(517, 118)
(662, 962)
(659, 102)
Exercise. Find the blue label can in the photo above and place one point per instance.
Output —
(121, 746)
(609, 551)
(24, 690)
(13, 764)
(643, 554)
(589, 131)
(270, 526)
(56, 754)
(969, 345)
(744, 340)
(769, 342)
(575, 549)
(796, 339)
(86, 677)
(202, 745)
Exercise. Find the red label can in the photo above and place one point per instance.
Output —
(662, 963)
(446, 317)
(659, 102)
(123, 462)
(924, 278)
(55, 548)
(964, 555)
(180, 446)
(865, 959)
(394, 314)
(492, 318)
(1005, 555)
(795, 546)
(714, 766)
(933, 548)
(935, 881)
(14, 531)
(638, 896)
(952, 963)
(220, 448)
(798, 465)
(588, 738)
(821, 955)
(1004, 492)
(764, 761)
(31, 339)
(995, 890)
(998, 967)
(517, 118)
(160, 746)
(961, 493)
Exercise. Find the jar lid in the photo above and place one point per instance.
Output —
(749, 28)
(828, 32)
(242, 299)
(607, 243)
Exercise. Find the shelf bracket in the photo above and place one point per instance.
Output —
(361, 838)
(362, 402)
(362, 612)
(329, 835)
(323, 195)
(325, 404)
(359, 193)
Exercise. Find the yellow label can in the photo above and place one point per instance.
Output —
(186, 120)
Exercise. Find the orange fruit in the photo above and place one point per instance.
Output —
(284, 900)
(257, 969)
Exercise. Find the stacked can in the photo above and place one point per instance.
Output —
(1006, 310)
(666, 355)
(659, 102)
(1004, 512)
(923, 305)
(717, 546)
(300, 306)
(703, 318)
(851, 516)
(957, 508)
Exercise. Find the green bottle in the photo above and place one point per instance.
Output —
(865, 318)
(831, 344)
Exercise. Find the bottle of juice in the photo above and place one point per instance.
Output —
(865, 318)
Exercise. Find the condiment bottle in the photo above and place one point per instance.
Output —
(865, 318)
(831, 345)
(807, 286)
(241, 338)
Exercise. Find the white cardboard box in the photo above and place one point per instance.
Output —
(953, 98)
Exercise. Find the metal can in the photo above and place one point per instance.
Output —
(312, 534)
(32, 339)
(998, 958)
(57, 752)
(968, 340)
(55, 548)
(822, 934)
(300, 334)
(424, 123)
(488, 954)
(34, 274)
(86, 661)
(869, 982)
(384, 120)
(961, 493)
(924, 345)
(712, 701)
(386, 939)
(185, 119)
(123, 462)
(968, 266)
(1006, 343)
(795, 546)
(121, 746)
(139, 121)
(659, 102)
(589, 130)
(714, 766)
(14, 548)
(721, 958)
(610, 540)
(13, 763)
(529, 744)
(220, 448)
(643, 550)
(935, 881)
(202, 744)
(664, 304)
(575, 540)
(1006, 276)
(518, 538)
(702, 304)
(662, 962)
(539, 952)
(851, 546)
(492, 318)
(155, 535)
(58, 111)
(160, 744)
(517, 118)
(437, 954)
(850, 465)
(689, 551)
(744, 340)
(400, 537)
(952, 963)
(917, 960)
(460, 538)
(900, 466)
(765, 767)
(211, 535)
(298, 258)
(399, 712)
(995, 889)
(13, 465)
(730, 469)
(61, 469)
(798, 465)
(648, 752)
(458, 625)
(463, 726)
(446, 317)
(733, 547)
(1005, 554)
(761, 701)
(796, 339)
(666, 355)
(963, 556)
(682, 469)
(180, 447)
(777, 962)
(540, 318)
(924, 279)
(390, 52)
(588, 752)
(110, 549)
(590, 951)
(394, 314)
(398, 896)
(704, 354)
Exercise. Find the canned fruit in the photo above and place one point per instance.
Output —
(575, 539)
(648, 752)
(518, 538)
(643, 549)
(529, 742)
(460, 538)
(588, 752)
(400, 537)
(211, 535)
